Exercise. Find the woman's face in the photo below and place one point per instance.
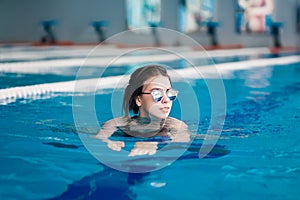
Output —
(147, 106)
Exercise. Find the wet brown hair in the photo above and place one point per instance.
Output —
(136, 83)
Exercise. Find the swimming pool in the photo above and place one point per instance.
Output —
(256, 157)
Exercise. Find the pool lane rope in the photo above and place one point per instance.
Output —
(59, 66)
(9, 95)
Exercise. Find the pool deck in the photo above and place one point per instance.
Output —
(272, 50)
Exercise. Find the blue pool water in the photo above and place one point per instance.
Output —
(256, 157)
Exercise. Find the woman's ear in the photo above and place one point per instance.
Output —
(138, 101)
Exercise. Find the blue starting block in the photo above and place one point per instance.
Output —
(275, 31)
(212, 31)
(49, 36)
(99, 27)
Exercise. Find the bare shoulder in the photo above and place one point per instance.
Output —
(179, 130)
(176, 123)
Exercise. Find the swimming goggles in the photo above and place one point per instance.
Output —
(158, 94)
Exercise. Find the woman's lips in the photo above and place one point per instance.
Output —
(165, 109)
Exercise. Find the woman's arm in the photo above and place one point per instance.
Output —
(108, 128)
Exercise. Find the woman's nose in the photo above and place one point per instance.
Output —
(165, 98)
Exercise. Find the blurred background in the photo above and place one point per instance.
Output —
(242, 22)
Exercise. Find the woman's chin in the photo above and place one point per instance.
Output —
(160, 116)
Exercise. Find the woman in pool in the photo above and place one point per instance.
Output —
(147, 103)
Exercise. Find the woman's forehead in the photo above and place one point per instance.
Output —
(158, 81)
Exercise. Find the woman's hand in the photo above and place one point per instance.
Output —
(143, 148)
(115, 145)
(181, 137)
